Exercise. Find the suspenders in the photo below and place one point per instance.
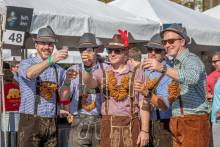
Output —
(131, 90)
(154, 91)
(37, 95)
(130, 94)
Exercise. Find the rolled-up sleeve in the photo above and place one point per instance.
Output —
(24, 65)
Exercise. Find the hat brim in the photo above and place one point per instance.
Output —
(185, 37)
(154, 45)
(88, 45)
(45, 39)
(136, 41)
(114, 45)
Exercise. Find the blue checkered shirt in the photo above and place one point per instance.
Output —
(76, 86)
(162, 91)
(192, 79)
(28, 88)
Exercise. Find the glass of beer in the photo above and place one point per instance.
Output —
(90, 53)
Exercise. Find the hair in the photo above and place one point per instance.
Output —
(216, 53)
(135, 54)
(8, 75)
(14, 63)
(6, 65)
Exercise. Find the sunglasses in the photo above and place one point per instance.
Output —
(156, 50)
(89, 49)
(170, 41)
(214, 61)
(117, 51)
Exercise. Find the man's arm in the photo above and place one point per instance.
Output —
(143, 137)
(35, 70)
(65, 91)
(89, 80)
(87, 73)
(157, 101)
(190, 74)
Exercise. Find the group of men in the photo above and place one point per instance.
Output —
(123, 103)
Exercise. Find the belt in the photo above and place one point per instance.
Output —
(87, 117)
(31, 116)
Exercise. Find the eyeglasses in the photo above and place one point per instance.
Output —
(214, 61)
(157, 51)
(170, 41)
(117, 51)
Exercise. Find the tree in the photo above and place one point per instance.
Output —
(105, 1)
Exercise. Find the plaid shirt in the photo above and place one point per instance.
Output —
(192, 79)
(28, 88)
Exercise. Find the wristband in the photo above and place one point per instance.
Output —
(50, 60)
(144, 131)
(67, 84)
(88, 68)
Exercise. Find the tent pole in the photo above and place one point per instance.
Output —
(2, 101)
(1, 79)
(1, 88)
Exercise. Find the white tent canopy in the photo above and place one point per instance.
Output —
(75, 17)
(203, 29)
(213, 12)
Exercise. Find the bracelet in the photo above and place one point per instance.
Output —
(49, 58)
(67, 84)
(144, 131)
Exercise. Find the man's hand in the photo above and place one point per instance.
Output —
(87, 58)
(64, 113)
(218, 113)
(59, 55)
(140, 87)
(68, 115)
(152, 64)
(209, 96)
(158, 102)
(143, 138)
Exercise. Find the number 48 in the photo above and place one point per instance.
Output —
(15, 37)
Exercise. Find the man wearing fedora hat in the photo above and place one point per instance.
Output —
(120, 123)
(85, 104)
(39, 80)
(155, 89)
(190, 121)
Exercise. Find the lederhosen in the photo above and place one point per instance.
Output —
(191, 130)
(36, 131)
(85, 128)
(120, 131)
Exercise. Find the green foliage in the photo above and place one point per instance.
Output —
(105, 1)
